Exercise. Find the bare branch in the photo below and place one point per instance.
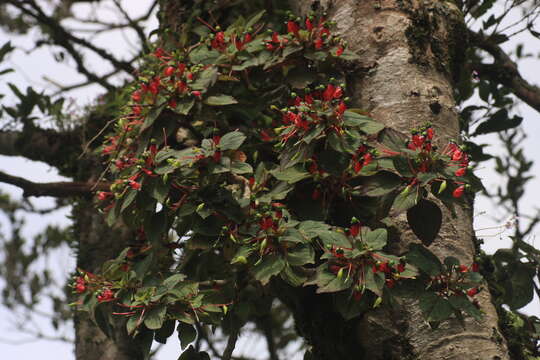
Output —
(231, 343)
(55, 189)
(505, 71)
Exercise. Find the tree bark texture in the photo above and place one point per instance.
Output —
(410, 54)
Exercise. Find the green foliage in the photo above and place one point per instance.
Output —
(267, 191)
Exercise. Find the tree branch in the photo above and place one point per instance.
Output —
(505, 71)
(55, 189)
(49, 146)
(231, 343)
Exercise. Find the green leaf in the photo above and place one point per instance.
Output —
(293, 276)
(155, 317)
(165, 331)
(311, 229)
(220, 100)
(436, 308)
(425, 219)
(379, 184)
(238, 167)
(292, 174)
(152, 115)
(205, 79)
(255, 19)
(364, 123)
(186, 333)
(232, 140)
(5, 49)
(336, 284)
(374, 282)
(173, 280)
(498, 122)
(424, 259)
(184, 106)
(405, 200)
(335, 238)
(375, 239)
(462, 303)
(270, 265)
(520, 291)
(301, 255)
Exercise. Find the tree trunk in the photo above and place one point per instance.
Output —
(410, 53)
(97, 243)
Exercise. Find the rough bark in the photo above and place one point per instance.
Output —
(409, 55)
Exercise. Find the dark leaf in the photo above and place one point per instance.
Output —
(425, 219)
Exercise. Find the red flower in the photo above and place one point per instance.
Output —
(472, 292)
(475, 267)
(390, 283)
(329, 92)
(355, 229)
(341, 108)
(463, 269)
(457, 155)
(136, 96)
(319, 44)
(418, 140)
(216, 139)
(135, 185)
(80, 288)
(80, 285)
(104, 195)
(266, 223)
(458, 192)
(275, 38)
(385, 268)
(169, 71)
(159, 53)
(217, 156)
(430, 133)
(247, 38)
(357, 166)
(181, 68)
(367, 159)
(264, 136)
(339, 51)
(400, 268)
(106, 295)
(460, 171)
(338, 93)
(292, 27)
(197, 94)
(269, 46)
(309, 24)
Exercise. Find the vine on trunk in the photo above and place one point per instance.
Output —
(240, 161)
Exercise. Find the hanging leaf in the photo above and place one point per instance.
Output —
(220, 100)
(186, 333)
(425, 219)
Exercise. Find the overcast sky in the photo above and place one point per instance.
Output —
(31, 70)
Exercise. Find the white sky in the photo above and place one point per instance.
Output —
(30, 70)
